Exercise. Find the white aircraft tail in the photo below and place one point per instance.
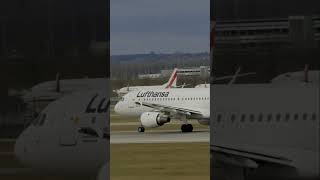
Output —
(173, 79)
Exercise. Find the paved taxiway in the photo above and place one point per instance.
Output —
(125, 137)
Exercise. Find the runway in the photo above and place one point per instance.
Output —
(175, 136)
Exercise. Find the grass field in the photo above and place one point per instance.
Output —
(117, 118)
(175, 161)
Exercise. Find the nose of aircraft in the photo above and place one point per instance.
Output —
(21, 145)
(117, 108)
(19, 148)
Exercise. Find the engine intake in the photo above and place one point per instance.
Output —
(153, 119)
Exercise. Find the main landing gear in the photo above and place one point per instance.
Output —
(141, 129)
(186, 127)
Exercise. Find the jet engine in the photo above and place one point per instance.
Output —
(153, 119)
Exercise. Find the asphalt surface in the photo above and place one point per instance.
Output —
(174, 136)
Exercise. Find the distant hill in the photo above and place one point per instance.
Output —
(157, 57)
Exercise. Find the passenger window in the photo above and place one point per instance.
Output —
(305, 116)
(269, 117)
(260, 117)
(314, 116)
(219, 117)
(287, 117)
(243, 118)
(251, 117)
(296, 116)
(278, 117)
(233, 117)
(88, 131)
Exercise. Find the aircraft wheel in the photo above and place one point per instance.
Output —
(189, 127)
(186, 127)
(141, 129)
(183, 128)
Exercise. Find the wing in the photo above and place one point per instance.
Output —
(232, 76)
(172, 109)
(246, 158)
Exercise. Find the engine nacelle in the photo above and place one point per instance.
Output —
(153, 119)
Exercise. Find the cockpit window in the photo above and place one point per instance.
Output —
(36, 120)
(39, 120)
(42, 119)
(88, 131)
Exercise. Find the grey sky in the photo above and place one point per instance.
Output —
(162, 26)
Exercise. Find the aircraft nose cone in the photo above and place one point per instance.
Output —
(117, 108)
(19, 149)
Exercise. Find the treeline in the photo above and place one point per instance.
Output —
(128, 67)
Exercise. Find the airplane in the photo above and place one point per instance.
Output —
(70, 136)
(172, 83)
(155, 107)
(265, 131)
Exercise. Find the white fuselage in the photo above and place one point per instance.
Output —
(126, 90)
(69, 136)
(189, 98)
(275, 120)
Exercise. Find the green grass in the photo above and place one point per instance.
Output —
(187, 161)
(114, 118)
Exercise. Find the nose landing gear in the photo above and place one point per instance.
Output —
(141, 129)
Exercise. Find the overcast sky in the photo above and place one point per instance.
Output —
(161, 26)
